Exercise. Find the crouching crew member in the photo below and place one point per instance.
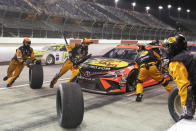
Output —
(182, 68)
(77, 53)
(147, 61)
(19, 61)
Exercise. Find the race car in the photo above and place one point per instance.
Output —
(52, 54)
(113, 73)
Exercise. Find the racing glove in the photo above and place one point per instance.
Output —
(79, 61)
(36, 61)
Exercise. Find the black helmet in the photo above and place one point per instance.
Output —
(141, 48)
(175, 45)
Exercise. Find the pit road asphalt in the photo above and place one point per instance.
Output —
(22, 108)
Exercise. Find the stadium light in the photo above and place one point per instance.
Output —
(133, 4)
(179, 9)
(169, 6)
(160, 8)
(188, 11)
(147, 8)
(116, 1)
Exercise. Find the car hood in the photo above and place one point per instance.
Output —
(106, 63)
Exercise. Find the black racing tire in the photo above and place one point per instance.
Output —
(50, 60)
(36, 76)
(132, 80)
(174, 104)
(69, 105)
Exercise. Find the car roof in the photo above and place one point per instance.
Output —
(127, 46)
(148, 47)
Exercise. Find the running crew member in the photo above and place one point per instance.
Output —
(19, 61)
(147, 61)
(182, 68)
(77, 53)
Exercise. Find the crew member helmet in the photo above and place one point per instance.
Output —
(175, 45)
(26, 42)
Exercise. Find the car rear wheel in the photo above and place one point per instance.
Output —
(131, 80)
(50, 60)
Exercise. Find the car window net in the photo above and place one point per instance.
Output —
(128, 54)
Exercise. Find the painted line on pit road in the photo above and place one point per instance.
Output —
(20, 86)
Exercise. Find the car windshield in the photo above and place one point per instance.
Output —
(121, 53)
(192, 48)
(50, 48)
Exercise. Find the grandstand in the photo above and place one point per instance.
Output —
(78, 18)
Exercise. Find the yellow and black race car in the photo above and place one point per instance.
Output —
(52, 54)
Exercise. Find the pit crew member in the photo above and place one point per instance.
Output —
(147, 61)
(182, 68)
(77, 53)
(19, 61)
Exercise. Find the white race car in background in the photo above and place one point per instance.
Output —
(52, 54)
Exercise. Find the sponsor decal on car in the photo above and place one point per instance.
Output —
(110, 63)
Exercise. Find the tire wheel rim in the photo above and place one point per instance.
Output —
(49, 60)
(177, 105)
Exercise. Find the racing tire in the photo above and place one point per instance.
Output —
(36, 76)
(69, 105)
(174, 104)
(50, 60)
(131, 80)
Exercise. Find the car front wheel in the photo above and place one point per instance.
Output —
(131, 80)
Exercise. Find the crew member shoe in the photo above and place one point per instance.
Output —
(5, 78)
(8, 85)
(185, 116)
(139, 97)
(51, 84)
(188, 112)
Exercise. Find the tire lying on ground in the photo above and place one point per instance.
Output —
(69, 105)
(174, 104)
(36, 76)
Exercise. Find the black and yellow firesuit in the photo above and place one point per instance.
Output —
(77, 53)
(182, 68)
(147, 61)
(18, 61)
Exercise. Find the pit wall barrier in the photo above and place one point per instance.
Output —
(8, 45)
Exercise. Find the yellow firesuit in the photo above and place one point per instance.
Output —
(75, 52)
(17, 63)
(150, 71)
(180, 74)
